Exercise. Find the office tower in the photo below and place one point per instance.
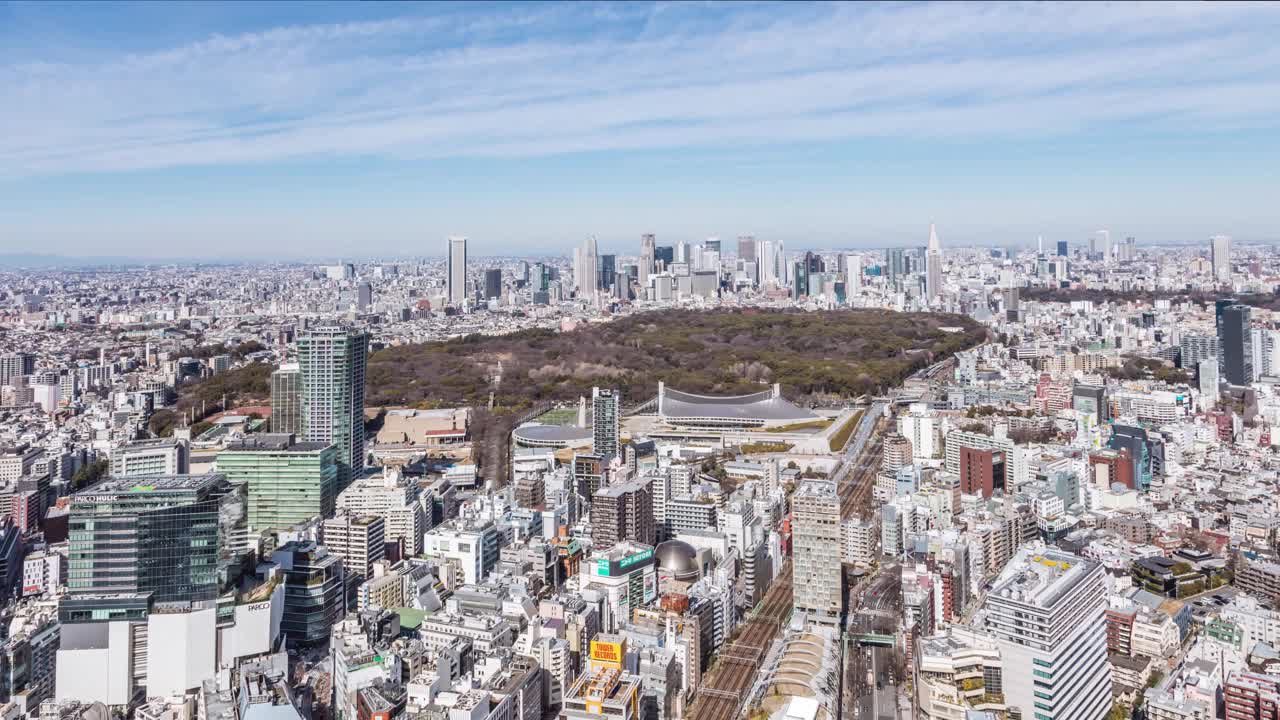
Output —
(815, 524)
(492, 284)
(1100, 244)
(1134, 442)
(15, 365)
(608, 272)
(663, 256)
(682, 251)
(161, 537)
(332, 361)
(647, 256)
(1128, 251)
(604, 421)
(1046, 613)
(313, 592)
(622, 512)
(853, 273)
(356, 540)
(364, 297)
(588, 269)
(767, 254)
(799, 279)
(1207, 376)
(933, 265)
(286, 399)
(524, 273)
(1220, 253)
(895, 264)
(287, 482)
(813, 263)
(1236, 345)
(457, 271)
(143, 458)
(712, 244)
(541, 281)
(747, 248)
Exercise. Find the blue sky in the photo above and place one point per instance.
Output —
(319, 130)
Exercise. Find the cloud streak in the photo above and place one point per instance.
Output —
(572, 78)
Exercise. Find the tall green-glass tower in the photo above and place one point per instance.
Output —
(332, 362)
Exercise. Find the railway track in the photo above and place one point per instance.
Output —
(724, 687)
(855, 494)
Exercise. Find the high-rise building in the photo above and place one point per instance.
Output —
(622, 512)
(492, 283)
(605, 413)
(392, 498)
(15, 365)
(357, 539)
(286, 482)
(608, 272)
(816, 546)
(364, 297)
(1220, 254)
(456, 275)
(1062, 248)
(1207, 377)
(286, 399)
(747, 248)
(895, 264)
(332, 362)
(663, 256)
(1236, 345)
(313, 592)
(161, 537)
(587, 271)
(648, 254)
(1046, 614)
(933, 265)
(982, 472)
(1194, 348)
(1100, 244)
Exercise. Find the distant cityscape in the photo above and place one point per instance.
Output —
(1073, 518)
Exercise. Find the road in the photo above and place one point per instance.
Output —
(878, 606)
(724, 688)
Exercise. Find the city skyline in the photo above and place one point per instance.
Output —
(274, 131)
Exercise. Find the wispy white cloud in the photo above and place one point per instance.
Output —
(578, 77)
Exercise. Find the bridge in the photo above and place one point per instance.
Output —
(874, 639)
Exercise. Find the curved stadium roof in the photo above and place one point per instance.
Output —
(767, 406)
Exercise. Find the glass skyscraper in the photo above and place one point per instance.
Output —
(158, 536)
(287, 482)
(332, 360)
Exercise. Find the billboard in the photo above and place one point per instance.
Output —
(607, 652)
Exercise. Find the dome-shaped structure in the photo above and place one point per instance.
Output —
(678, 559)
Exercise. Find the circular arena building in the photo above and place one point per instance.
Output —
(555, 437)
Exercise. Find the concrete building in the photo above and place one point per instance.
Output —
(622, 512)
(1046, 614)
(816, 548)
(150, 457)
(358, 540)
(286, 399)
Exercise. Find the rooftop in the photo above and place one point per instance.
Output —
(1040, 577)
(155, 483)
(768, 405)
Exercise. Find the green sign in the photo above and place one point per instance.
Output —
(638, 557)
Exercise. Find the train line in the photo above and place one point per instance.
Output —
(724, 688)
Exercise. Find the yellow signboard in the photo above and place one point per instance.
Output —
(607, 652)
